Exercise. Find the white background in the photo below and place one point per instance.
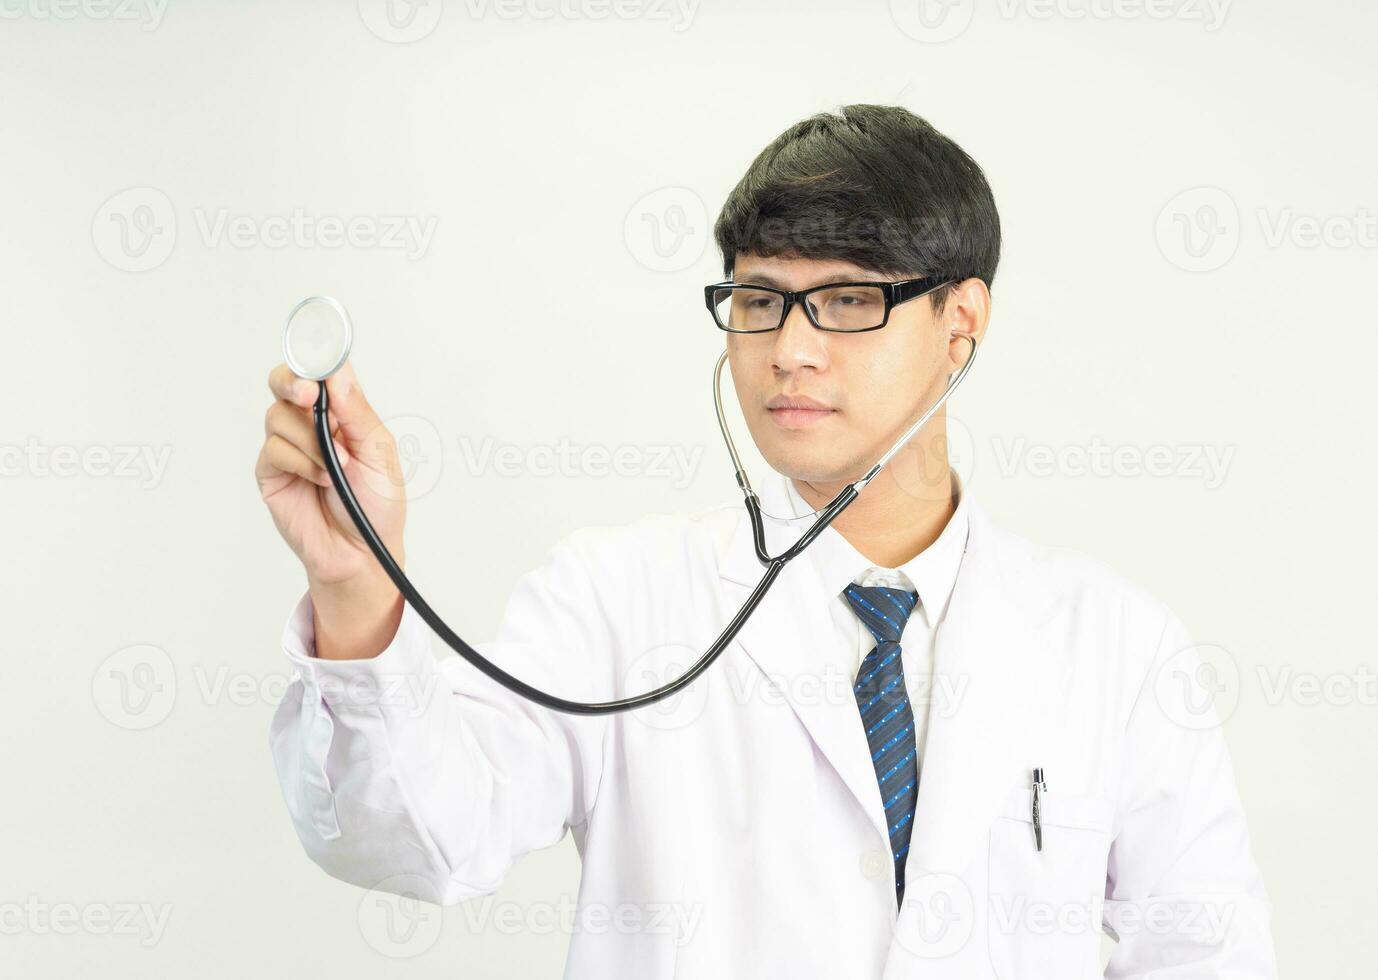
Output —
(1188, 200)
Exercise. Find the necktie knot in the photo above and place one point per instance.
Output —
(883, 610)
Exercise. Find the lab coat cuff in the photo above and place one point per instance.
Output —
(403, 677)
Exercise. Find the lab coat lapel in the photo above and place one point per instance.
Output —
(986, 653)
(791, 639)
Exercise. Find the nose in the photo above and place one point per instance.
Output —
(798, 343)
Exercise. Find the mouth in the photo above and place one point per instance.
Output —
(797, 413)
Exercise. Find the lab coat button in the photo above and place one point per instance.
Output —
(874, 864)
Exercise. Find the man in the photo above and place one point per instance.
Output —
(1015, 757)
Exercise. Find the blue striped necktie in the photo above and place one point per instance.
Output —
(886, 714)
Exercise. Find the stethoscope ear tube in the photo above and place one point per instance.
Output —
(321, 415)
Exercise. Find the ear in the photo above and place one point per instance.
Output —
(967, 311)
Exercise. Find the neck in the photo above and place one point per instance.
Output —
(899, 513)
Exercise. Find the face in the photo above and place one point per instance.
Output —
(823, 406)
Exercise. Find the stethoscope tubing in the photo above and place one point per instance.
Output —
(773, 564)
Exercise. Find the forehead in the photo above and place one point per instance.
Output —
(795, 273)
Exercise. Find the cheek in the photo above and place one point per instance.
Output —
(886, 382)
(744, 370)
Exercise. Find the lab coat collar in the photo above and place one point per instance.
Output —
(986, 650)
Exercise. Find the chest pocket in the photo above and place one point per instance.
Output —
(1044, 907)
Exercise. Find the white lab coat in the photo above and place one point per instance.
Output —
(737, 830)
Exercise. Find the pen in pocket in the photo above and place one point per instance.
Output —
(1039, 788)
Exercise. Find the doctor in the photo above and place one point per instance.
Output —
(853, 789)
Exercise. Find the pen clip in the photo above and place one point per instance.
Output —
(1039, 788)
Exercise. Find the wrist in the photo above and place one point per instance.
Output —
(357, 618)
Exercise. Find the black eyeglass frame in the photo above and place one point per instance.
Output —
(895, 293)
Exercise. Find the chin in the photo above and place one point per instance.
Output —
(802, 461)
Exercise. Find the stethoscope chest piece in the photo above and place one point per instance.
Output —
(317, 338)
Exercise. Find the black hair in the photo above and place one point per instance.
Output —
(873, 185)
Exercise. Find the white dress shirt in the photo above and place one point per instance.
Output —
(931, 573)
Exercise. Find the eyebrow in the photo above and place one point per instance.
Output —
(761, 279)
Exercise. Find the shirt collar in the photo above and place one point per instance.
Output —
(932, 573)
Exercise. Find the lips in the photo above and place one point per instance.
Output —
(797, 411)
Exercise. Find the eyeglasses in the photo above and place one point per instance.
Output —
(841, 307)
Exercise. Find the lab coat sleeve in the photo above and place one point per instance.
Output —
(1183, 893)
(413, 776)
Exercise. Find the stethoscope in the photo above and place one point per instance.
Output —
(316, 343)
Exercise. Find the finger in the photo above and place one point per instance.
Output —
(298, 428)
(364, 433)
(290, 388)
(284, 457)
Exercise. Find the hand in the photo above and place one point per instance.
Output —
(352, 595)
